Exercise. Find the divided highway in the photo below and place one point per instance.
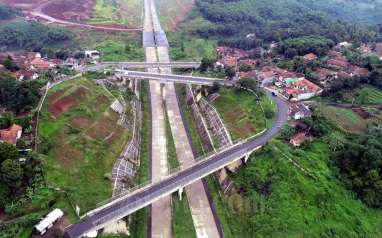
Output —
(128, 204)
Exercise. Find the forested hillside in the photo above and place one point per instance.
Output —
(277, 20)
(31, 36)
(353, 11)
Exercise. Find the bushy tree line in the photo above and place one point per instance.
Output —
(19, 96)
(32, 36)
(15, 175)
(7, 12)
(304, 45)
(360, 164)
(275, 20)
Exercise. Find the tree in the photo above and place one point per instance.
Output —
(11, 173)
(248, 83)
(269, 113)
(6, 119)
(10, 64)
(230, 72)
(8, 152)
(205, 64)
(214, 88)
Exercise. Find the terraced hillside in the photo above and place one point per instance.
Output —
(81, 139)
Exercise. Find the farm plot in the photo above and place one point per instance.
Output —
(345, 118)
(81, 139)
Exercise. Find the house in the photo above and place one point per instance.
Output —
(250, 74)
(23, 75)
(338, 63)
(298, 139)
(343, 74)
(378, 49)
(358, 71)
(92, 54)
(298, 89)
(343, 44)
(298, 111)
(48, 221)
(334, 54)
(324, 74)
(41, 64)
(364, 49)
(229, 61)
(310, 57)
(248, 62)
(11, 135)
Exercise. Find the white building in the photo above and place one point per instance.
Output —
(48, 221)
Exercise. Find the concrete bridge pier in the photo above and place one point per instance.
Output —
(180, 191)
(247, 157)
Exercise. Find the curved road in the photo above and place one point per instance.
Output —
(125, 206)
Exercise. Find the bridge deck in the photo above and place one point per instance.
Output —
(174, 78)
(129, 204)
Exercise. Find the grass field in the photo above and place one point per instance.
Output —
(241, 113)
(278, 200)
(112, 47)
(110, 12)
(345, 118)
(82, 140)
(366, 94)
(138, 227)
(182, 225)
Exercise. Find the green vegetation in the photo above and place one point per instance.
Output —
(171, 150)
(359, 160)
(182, 225)
(139, 219)
(32, 36)
(269, 21)
(304, 45)
(81, 140)
(279, 199)
(19, 96)
(195, 138)
(187, 48)
(365, 94)
(345, 118)
(113, 47)
(242, 113)
(7, 12)
(109, 12)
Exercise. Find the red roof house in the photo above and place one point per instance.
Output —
(298, 139)
(310, 57)
(11, 135)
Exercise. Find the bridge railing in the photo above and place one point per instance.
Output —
(141, 187)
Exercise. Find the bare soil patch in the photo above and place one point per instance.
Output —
(80, 122)
(62, 105)
(104, 126)
(101, 99)
(24, 4)
(69, 10)
(68, 156)
(55, 96)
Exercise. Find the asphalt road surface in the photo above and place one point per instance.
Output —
(124, 207)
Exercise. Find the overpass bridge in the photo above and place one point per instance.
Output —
(135, 65)
(173, 78)
(129, 203)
